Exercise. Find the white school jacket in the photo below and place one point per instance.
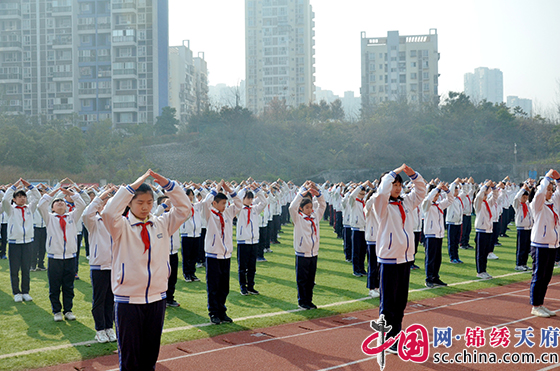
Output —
(395, 240)
(139, 276)
(307, 229)
(483, 221)
(100, 241)
(20, 231)
(56, 247)
(357, 213)
(466, 196)
(434, 226)
(175, 239)
(38, 221)
(454, 213)
(546, 231)
(248, 228)
(346, 210)
(523, 222)
(219, 245)
(371, 223)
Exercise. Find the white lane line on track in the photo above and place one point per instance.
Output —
(71, 345)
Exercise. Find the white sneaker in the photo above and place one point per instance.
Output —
(520, 268)
(484, 275)
(101, 336)
(539, 312)
(373, 293)
(18, 298)
(492, 256)
(69, 316)
(550, 313)
(111, 335)
(488, 276)
(27, 297)
(58, 317)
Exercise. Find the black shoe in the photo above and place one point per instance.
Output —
(244, 291)
(414, 267)
(225, 319)
(429, 284)
(215, 320)
(188, 279)
(172, 304)
(41, 269)
(3, 257)
(394, 349)
(312, 306)
(357, 274)
(253, 291)
(464, 247)
(304, 306)
(195, 278)
(364, 273)
(438, 282)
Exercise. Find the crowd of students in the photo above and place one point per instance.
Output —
(133, 234)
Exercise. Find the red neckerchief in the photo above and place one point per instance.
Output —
(401, 209)
(551, 207)
(488, 208)
(363, 204)
(222, 223)
(248, 208)
(468, 198)
(436, 205)
(525, 209)
(22, 208)
(312, 220)
(62, 221)
(463, 206)
(145, 235)
(192, 211)
(70, 206)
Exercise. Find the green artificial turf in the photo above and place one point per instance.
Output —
(29, 326)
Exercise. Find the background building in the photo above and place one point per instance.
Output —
(279, 52)
(485, 83)
(526, 105)
(399, 68)
(222, 95)
(85, 60)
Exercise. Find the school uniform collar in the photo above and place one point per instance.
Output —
(134, 220)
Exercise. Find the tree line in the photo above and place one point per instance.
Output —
(286, 142)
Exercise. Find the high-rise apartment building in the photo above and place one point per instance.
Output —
(485, 84)
(399, 68)
(279, 52)
(84, 60)
(526, 105)
(188, 81)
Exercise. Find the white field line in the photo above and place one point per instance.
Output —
(265, 315)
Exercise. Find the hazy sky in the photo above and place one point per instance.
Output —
(520, 37)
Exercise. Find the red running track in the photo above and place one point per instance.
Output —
(334, 343)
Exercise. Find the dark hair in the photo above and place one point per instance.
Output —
(161, 199)
(533, 191)
(304, 202)
(220, 196)
(307, 195)
(144, 188)
(21, 192)
(431, 187)
(189, 192)
(525, 193)
(398, 178)
(249, 194)
(57, 200)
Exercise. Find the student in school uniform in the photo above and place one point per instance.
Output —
(102, 306)
(201, 259)
(357, 205)
(524, 223)
(3, 228)
(434, 230)
(164, 206)
(248, 237)
(346, 227)
(545, 208)
(218, 245)
(20, 234)
(61, 248)
(371, 236)
(466, 196)
(454, 222)
(486, 198)
(140, 266)
(306, 218)
(417, 218)
(190, 238)
(264, 240)
(395, 251)
(40, 240)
